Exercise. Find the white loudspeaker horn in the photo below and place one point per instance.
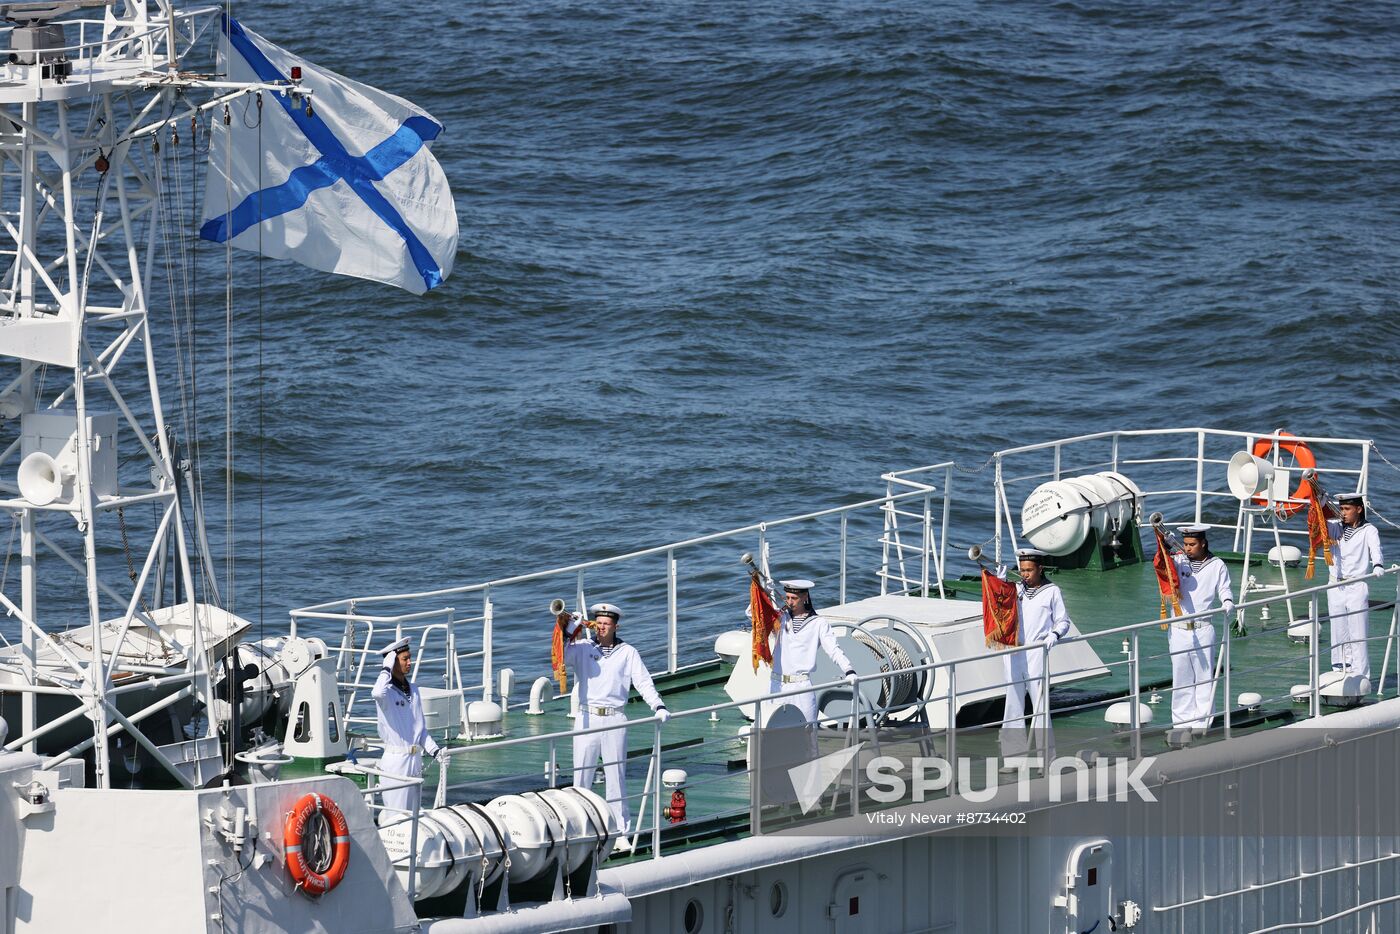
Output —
(42, 479)
(1249, 476)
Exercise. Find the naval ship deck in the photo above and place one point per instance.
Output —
(890, 546)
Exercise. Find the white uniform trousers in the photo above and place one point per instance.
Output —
(1025, 673)
(806, 703)
(399, 762)
(611, 746)
(1193, 675)
(1347, 609)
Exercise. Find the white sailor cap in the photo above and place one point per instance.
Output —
(1031, 554)
(1195, 531)
(605, 609)
(798, 584)
(396, 647)
(1351, 498)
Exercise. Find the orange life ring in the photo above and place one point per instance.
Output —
(312, 873)
(1302, 457)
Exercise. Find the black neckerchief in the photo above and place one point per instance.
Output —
(406, 687)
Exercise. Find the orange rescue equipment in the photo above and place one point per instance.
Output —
(1302, 457)
(316, 859)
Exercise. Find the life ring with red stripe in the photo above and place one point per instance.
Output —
(316, 839)
(1302, 456)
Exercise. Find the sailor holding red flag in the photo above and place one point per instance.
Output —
(1042, 620)
(800, 634)
(1205, 584)
(1357, 552)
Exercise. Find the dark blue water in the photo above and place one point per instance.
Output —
(724, 261)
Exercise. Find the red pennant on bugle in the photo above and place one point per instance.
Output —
(1168, 580)
(1000, 617)
(766, 620)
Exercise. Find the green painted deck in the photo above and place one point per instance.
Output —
(710, 750)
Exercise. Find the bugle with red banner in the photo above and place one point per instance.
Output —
(767, 620)
(1318, 539)
(561, 636)
(1168, 580)
(764, 611)
(1001, 619)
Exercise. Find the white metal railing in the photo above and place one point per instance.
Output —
(869, 717)
(376, 782)
(688, 580)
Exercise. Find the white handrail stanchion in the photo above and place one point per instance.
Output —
(672, 646)
(1390, 641)
(951, 730)
(1225, 662)
(1313, 655)
(656, 792)
(1135, 672)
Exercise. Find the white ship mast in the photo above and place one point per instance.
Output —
(91, 92)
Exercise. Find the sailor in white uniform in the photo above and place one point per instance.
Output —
(606, 671)
(402, 727)
(795, 654)
(1044, 621)
(1356, 552)
(1205, 584)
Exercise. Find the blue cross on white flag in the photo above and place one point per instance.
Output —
(351, 189)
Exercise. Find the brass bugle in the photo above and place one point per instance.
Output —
(975, 555)
(1156, 520)
(558, 608)
(1320, 493)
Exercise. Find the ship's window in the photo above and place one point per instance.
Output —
(854, 906)
(302, 733)
(694, 917)
(778, 899)
(1093, 875)
(334, 728)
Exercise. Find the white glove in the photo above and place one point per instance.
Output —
(1378, 571)
(851, 678)
(663, 715)
(1229, 609)
(1051, 638)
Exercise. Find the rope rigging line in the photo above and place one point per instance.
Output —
(262, 443)
(230, 541)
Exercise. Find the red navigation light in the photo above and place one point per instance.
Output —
(296, 72)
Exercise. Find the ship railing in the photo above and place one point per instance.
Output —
(1186, 486)
(868, 718)
(436, 655)
(377, 781)
(1182, 473)
(696, 585)
(145, 47)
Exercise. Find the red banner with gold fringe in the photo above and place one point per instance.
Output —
(766, 620)
(1168, 580)
(1000, 618)
(556, 651)
(1317, 532)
